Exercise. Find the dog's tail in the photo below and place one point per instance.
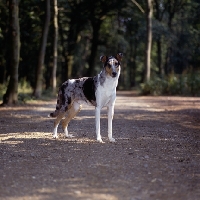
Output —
(53, 114)
(58, 105)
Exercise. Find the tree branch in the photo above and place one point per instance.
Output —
(138, 5)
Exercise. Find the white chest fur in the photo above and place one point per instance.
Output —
(106, 93)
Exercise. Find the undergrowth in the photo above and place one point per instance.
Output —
(183, 85)
(25, 92)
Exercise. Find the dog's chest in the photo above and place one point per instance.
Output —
(105, 93)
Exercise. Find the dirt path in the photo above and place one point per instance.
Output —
(156, 156)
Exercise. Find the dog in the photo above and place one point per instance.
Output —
(98, 91)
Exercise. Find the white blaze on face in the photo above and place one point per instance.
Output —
(112, 67)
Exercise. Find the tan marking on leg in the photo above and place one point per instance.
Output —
(71, 113)
(59, 118)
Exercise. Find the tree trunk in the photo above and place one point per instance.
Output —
(133, 50)
(64, 56)
(11, 95)
(171, 13)
(55, 46)
(72, 42)
(149, 39)
(39, 74)
(159, 58)
(159, 15)
(95, 39)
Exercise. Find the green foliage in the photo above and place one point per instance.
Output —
(155, 86)
(47, 94)
(185, 84)
(24, 91)
(193, 83)
(123, 28)
(2, 90)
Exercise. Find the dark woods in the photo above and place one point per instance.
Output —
(46, 42)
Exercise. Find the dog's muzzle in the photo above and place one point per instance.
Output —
(114, 74)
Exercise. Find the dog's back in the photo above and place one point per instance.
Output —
(80, 90)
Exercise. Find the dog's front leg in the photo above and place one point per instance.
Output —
(97, 119)
(110, 118)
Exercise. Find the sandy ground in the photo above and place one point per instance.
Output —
(156, 156)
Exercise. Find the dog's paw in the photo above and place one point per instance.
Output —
(100, 140)
(55, 136)
(69, 136)
(112, 140)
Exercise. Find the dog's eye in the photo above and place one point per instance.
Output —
(109, 65)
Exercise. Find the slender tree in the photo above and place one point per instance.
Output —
(39, 74)
(78, 19)
(159, 13)
(72, 42)
(95, 40)
(11, 95)
(55, 46)
(96, 18)
(149, 12)
(173, 8)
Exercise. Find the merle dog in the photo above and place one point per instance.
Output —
(98, 91)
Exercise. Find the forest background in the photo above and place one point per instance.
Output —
(43, 43)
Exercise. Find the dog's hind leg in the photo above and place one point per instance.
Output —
(56, 123)
(71, 113)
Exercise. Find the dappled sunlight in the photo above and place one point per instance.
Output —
(16, 138)
(161, 103)
(188, 124)
(24, 135)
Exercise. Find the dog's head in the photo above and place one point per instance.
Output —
(112, 64)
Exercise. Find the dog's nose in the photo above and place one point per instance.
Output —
(114, 74)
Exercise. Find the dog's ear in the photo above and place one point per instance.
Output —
(103, 59)
(119, 56)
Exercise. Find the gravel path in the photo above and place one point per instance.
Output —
(156, 156)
